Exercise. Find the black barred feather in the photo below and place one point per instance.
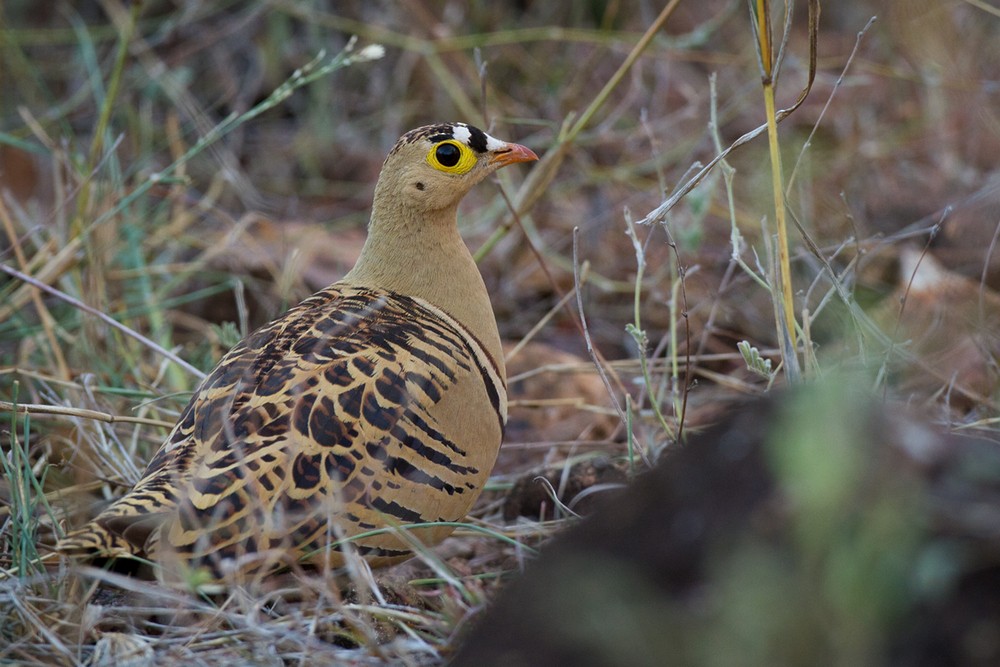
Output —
(331, 406)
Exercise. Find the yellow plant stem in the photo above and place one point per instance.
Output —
(784, 262)
(763, 25)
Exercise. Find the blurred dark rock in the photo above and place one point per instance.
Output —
(817, 527)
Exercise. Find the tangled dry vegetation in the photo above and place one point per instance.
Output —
(186, 171)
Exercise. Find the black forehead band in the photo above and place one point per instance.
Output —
(477, 138)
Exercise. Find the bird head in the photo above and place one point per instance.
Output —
(433, 167)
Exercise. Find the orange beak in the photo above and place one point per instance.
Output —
(511, 154)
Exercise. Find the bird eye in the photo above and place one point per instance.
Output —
(448, 154)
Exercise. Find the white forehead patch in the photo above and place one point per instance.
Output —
(461, 132)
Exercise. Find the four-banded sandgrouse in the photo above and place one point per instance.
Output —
(379, 401)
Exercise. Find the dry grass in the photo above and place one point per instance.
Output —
(154, 173)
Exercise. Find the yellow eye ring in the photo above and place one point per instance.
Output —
(451, 157)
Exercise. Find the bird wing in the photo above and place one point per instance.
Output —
(336, 410)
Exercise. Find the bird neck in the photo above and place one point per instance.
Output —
(421, 254)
